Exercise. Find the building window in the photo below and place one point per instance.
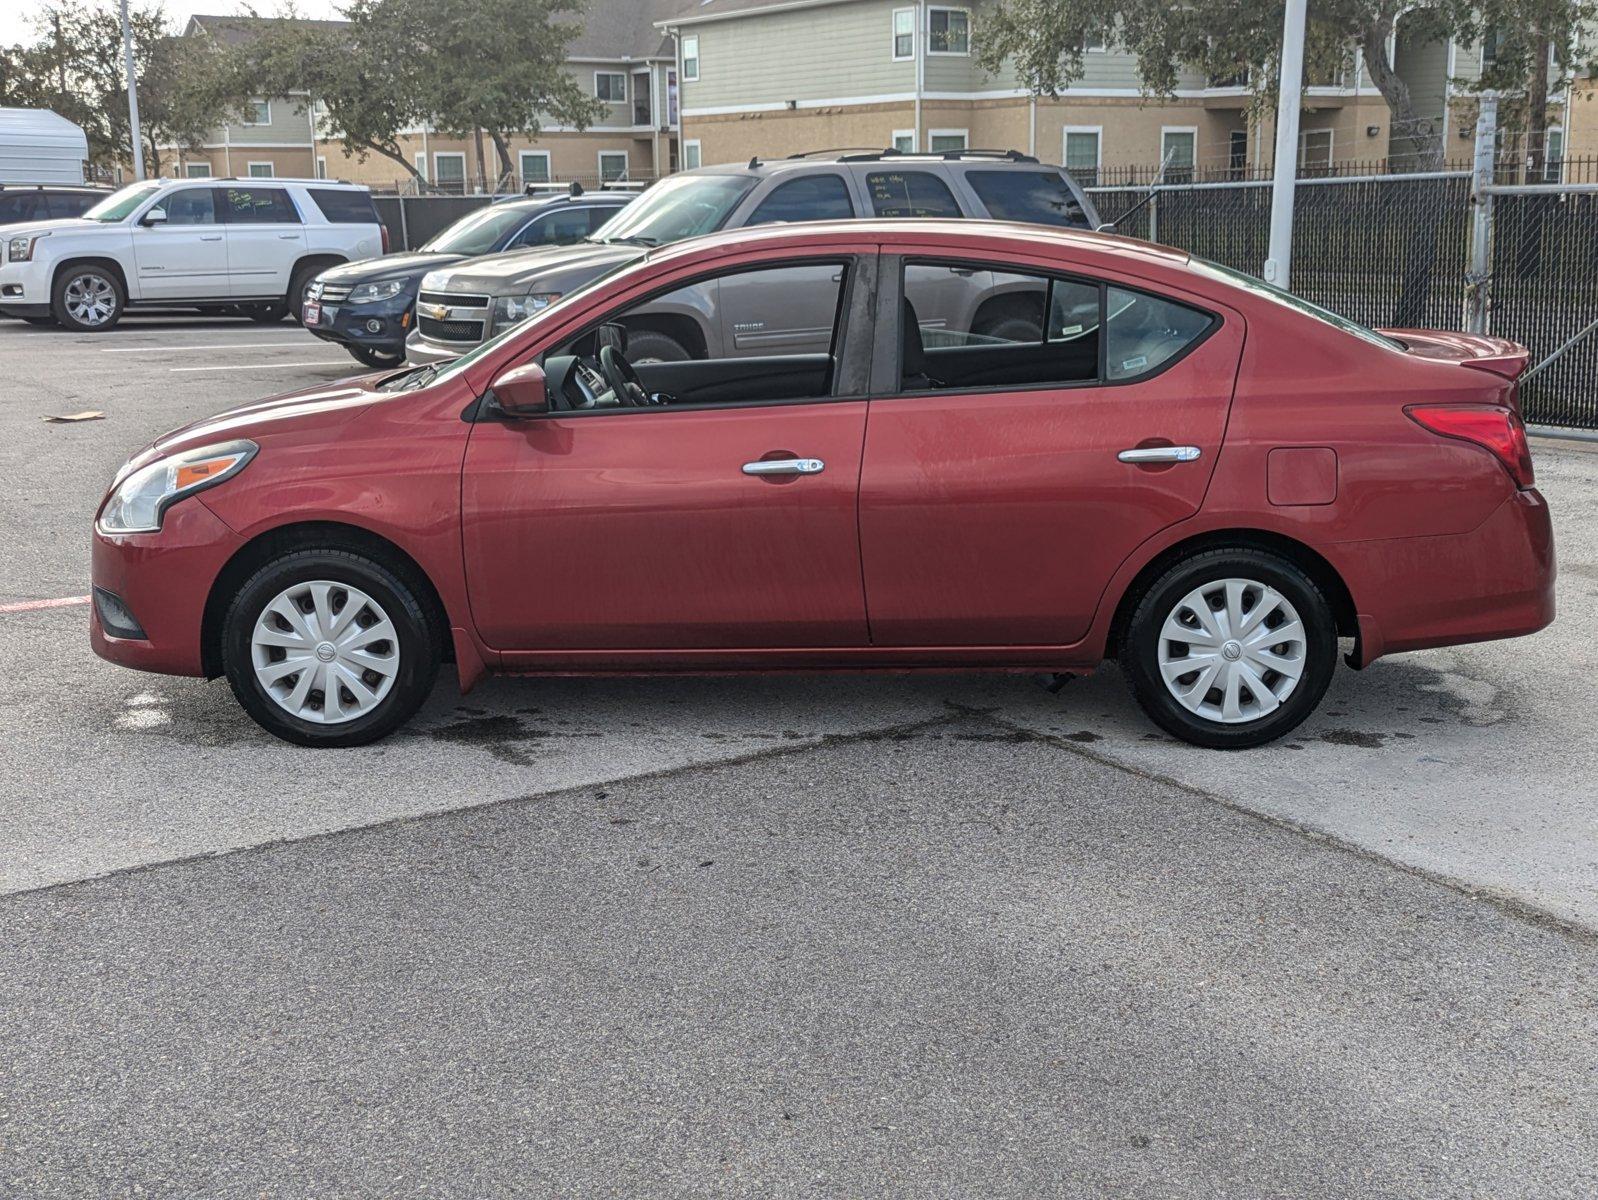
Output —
(321, 166)
(1314, 151)
(690, 154)
(1095, 43)
(1237, 153)
(262, 170)
(612, 165)
(942, 141)
(690, 58)
(534, 166)
(948, 31)
(1178, 153)
(421, 164)
(643, 99)
(200, 170)
(904, 141)
(449, 171)
(1553, 154)
(611, 86)
(1082, 149)
(904, 34)
(258, 112)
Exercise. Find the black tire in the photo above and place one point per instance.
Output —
(1139, 652)
(303, 278)
(373, 357)
(265, 314)
(1011, 329)
(101, 281)
(647, 346)
(420, 644)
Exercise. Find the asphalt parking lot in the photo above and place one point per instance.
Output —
(894, 935)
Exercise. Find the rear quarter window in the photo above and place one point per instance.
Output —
(1037, 197)
(343, 207)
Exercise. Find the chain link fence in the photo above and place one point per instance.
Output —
(1394, 251)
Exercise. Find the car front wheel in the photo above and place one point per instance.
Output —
(373, 357)
(1230, 648)
(87, 298)
(330, 648)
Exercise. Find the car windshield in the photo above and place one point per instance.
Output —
(118, 205)
(1271, 292)
(683, 207)
(480, 232)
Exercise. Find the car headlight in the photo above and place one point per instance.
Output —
(371, 293)
(139, 501)
(508, 310)
(20, 249)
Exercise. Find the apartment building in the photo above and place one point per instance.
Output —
(621, 57)
(777, 77)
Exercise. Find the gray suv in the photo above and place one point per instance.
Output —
(462, 305)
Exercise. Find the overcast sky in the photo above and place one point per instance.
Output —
(18, 17)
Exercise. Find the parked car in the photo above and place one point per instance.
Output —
(46, 202)
(251, 244)
(1164, 462)
(368, 307)
(461, 306)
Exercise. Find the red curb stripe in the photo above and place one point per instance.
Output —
(36, 605)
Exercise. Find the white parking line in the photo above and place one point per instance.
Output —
(323, 362)
(201, 349)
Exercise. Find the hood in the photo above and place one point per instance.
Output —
(295, 412)
(60, 225)
(513, 272)
(409, 264)
(1497, 355)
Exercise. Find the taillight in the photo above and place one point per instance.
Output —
(1490, 426)
(384, 228)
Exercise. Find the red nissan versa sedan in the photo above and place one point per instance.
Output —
(902, 444)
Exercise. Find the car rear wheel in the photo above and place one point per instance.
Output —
(299, 285)
(646, 346)
(1230, 648)
(265, 314)
(87, 298)
(330, 648)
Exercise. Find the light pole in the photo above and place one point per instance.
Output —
(133, 94)
(1285, 174)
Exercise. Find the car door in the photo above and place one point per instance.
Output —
(265, 238)
(995, 501)
(724, 519)
(184, 256)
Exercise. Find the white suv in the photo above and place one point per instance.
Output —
(250, 245)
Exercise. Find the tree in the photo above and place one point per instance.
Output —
(1522, 41)
(1221, 38)
(465, 66)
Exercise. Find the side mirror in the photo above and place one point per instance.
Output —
(522, 391)
(155, 216)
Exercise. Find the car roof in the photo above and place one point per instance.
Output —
(263, 181)
(971, 235)
(875, 160)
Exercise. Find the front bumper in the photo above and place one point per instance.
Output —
(1497, 581)
(24, 288)
(421, 351)
(164, 580)
(347, 324)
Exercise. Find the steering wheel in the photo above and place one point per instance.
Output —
(623, 378)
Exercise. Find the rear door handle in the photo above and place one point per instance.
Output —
(1160, 454)
(785, 466)
(210, 237)
(288, 237)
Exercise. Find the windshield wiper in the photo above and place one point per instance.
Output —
(636, 239)
(417, 378)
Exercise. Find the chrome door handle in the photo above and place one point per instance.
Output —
(210, 237)
(1160, 454)
(288, 237)
(785, 466)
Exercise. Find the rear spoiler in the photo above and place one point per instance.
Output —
(1497, 356)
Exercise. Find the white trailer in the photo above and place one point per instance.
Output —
(37, 146)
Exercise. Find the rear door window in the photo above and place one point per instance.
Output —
(70, 204)
(910, 194)
(21, 206)
(1144, 332)
(342, 206)
(1038, 197)
(820, 197)
(258, 206)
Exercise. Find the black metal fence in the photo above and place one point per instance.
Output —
(1394, 251)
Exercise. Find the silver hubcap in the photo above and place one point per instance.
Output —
(1232, 650)
(325, 652)
(90, 299)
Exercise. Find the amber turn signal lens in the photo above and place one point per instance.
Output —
(192, 473)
